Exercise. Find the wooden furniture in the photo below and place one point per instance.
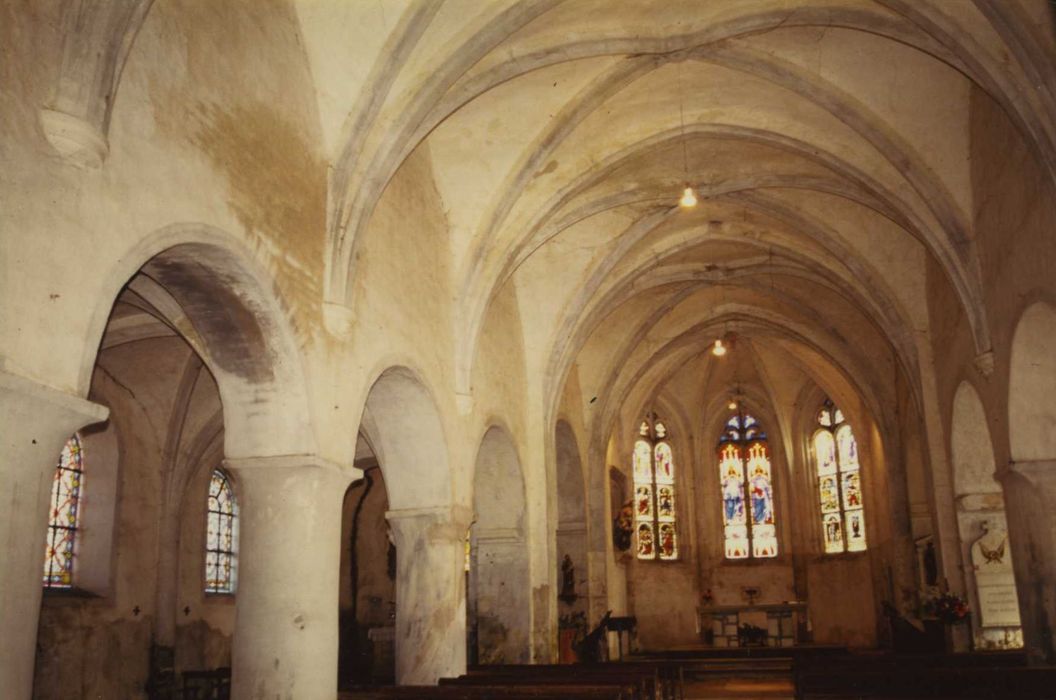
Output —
(890, 675)
(724, 625)
(206, 685)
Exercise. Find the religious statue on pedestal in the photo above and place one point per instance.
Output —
(568, 581)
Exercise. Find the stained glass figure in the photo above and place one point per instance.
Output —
(665, 503)
(833, 533)
(848, 447)
(665, 464)
(839, 483)
(643, 464)
(66, 490)
(221, 540)
(668, 548)
(746, 481)
(645, 541)
(825, 452)
(644, 500)
(830, 496)
(654, 493)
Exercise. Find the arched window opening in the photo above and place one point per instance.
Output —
(221, 536)
(839, 482)
(745, 474)
(654, 493)
(66, 491)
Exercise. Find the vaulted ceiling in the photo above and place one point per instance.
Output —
(828, 143)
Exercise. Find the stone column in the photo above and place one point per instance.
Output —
(37, 420)
(286, 631)
(1030, 508)
(430, 592)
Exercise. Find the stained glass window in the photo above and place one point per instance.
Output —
(221, 533)
(839, 483)
(61, 551)
(654, 493)
(746, 481)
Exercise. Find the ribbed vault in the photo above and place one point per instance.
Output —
(828, 137)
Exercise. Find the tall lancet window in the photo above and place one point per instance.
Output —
(654, 493)
(66, 490)
(747, 484)
(839, 482)
(221, 536)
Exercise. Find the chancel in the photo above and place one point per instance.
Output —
(527, 349)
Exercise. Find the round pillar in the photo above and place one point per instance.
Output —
(1030, 503)
(430, 592)
(286, 630)
(37, 420)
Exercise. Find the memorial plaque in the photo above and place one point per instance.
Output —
(994, 579)
(998, 606)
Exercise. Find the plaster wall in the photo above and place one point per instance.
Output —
(376, 598)
(1013, 198)
(98, 644)
(842, 610)
(195, 128)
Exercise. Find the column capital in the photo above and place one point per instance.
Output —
(501, 537)
(20, 396)
(438, 522)
(275, 463)
(1040, 472)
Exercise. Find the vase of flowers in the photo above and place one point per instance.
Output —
(948, 608)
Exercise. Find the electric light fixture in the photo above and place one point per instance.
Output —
(689, 198)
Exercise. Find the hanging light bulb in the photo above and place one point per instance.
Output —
(718, 350)
(732, 405)
(689, 198)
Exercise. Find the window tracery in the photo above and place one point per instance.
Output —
(654, 493)
(746, 479)
(221, 544)
(61, 551)
(839, 482)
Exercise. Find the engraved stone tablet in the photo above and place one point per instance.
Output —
(994, 580)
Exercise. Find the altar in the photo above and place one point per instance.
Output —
(772, 625)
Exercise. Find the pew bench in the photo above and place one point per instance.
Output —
(649, 680)
(577, 691)
(922, 681)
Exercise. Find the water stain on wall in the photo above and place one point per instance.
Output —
(277, 190)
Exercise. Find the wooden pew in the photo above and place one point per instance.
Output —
(916, 676)
(652, 680)
(488, 692)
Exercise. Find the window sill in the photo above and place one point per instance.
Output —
(841, 556)
(70, 594)
(680, 560)
(782, 560)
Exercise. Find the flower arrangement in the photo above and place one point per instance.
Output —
(947, 608)
(573, 621)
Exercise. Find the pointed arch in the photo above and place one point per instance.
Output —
(1032, 385)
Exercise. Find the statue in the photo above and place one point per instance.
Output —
(568, 581)
(623, 527)
(931, 565)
